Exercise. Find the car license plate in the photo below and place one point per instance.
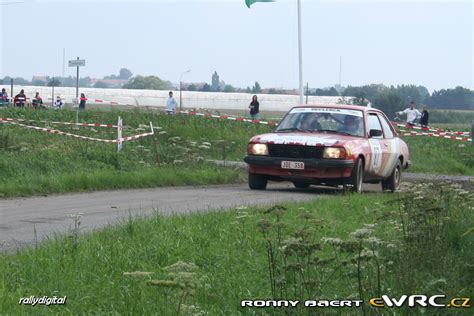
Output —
(292, 165)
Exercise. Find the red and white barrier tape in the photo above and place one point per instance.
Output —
(54, 131)
(232, 118)
(427, 129)
(59, 123)
(440, 135)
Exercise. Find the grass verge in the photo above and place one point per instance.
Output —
(356, 246)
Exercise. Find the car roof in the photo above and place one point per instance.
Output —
(339, 106)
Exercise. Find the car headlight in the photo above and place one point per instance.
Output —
(334, 153)
(257, 149)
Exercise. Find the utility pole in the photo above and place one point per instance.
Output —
(300, 53)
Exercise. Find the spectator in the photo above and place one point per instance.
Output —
(37, 101)
(20, 99)
(411, 112)
(424, 117)
(82, 103)
(59, 104)
(171, 104)
(4, 98)
(254, 108)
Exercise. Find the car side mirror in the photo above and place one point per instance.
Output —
(375, 133)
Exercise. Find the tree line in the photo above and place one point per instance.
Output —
(387, 98)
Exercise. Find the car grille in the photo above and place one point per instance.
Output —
(295, 151)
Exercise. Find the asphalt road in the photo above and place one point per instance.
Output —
(21, 217)
(24, 221)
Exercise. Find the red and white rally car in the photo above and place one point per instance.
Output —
(330, 145)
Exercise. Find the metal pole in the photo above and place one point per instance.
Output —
(77, 94)
(300, 53)
(77, 81)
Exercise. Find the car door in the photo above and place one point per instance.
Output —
(390, 147)
(378, 146)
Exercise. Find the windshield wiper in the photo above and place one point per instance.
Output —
(290, 129)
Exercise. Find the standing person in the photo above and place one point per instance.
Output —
(59, 104)
(424, 117)
(3, 98)
(411, 112)
(20, 99)
(82, 103)
(37, 101)
(171, 104)
(254, 108)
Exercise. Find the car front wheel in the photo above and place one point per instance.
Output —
(392, 183)
(257, 181)
(354, 184)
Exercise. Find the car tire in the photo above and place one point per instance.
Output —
(392, 183)
(257, 181)
(301, 185)
(354, 184)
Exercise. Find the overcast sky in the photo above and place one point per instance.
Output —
(391, 42)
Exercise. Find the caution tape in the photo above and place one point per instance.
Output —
(427, 129)
(58, 132)
(59, 123)
(228, 117)
(440, 135)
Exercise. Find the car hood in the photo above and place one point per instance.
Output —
(307, 139)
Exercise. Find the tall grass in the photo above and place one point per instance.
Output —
(348, 247)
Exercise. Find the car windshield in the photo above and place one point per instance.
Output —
(323, 120)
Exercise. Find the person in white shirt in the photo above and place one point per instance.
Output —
(59, 104)
(171, 104)
(411, 112)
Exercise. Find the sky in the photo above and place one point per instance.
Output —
(426, 43)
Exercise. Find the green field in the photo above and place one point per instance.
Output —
(32, 162)
(336, 247)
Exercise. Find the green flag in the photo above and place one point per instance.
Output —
(250, 2)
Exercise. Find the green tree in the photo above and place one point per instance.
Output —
(229, 88)
(215, 86)
(54, 82)
(389, 102)
(192, 87)
(148, 82)
(248, 90)
(125, 74)
(458, 98)
(256, 88)
(40, 83)
(206, 88)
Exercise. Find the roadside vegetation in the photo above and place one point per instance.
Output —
(354, 246)
(33, 162)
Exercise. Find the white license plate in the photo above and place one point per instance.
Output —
(292, 165)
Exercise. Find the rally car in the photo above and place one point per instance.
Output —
(329, 145)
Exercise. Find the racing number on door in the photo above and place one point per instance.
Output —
(376, 155)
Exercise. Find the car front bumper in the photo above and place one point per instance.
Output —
(313, 168)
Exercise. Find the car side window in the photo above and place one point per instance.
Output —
(374, 123)
(387, 131)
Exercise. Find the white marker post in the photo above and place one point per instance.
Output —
(77, 63)
(119, 134)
